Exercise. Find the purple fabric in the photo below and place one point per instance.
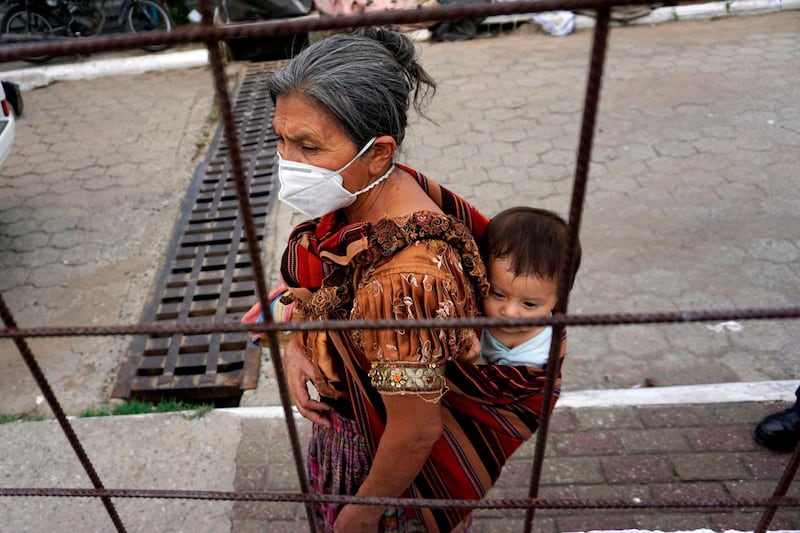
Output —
(338, 462)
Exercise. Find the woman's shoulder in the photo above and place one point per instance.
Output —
(421, 225)
(394, 237)
(425, 242)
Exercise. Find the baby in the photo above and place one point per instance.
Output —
(523, 250)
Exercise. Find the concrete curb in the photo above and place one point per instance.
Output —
(717, 10)
(716, 393)
(713, 393)
(660, 15)
(34, 77)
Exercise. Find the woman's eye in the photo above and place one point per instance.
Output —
(307, 148)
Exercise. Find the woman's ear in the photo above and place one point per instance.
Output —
(381, 154)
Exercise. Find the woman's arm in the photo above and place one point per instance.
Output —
(413, 425)
(422, 281)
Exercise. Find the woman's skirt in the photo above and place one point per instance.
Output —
(338, 463)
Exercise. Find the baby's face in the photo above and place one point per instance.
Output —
(517, 297)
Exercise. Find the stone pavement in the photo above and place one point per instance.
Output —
(692, 205)
(88, 200)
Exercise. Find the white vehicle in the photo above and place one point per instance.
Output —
(7, 126)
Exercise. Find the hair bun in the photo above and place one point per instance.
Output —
(419, 83)
(401, 47)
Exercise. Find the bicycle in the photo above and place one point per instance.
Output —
(40, 20)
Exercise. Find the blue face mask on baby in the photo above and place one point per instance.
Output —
(316, 191)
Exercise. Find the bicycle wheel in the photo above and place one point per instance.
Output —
(27, 26)
(148, 15)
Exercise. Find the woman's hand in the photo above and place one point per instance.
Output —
(299, 371)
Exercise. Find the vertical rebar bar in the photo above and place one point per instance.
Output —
(592, 98)
(246, 212)
(780, 491)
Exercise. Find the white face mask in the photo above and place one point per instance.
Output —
(317, 191)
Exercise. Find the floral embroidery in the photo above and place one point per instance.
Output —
(374, 288)
(403, 308)
(427, 353)
(324, 301)
(411, 279)
(447, 309)
(407, 377)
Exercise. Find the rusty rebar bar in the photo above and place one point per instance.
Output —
(780, 490)
(205, 33)
(246, 213)
(211, 35)
(696, 504)
(605, 319)
(590, 105)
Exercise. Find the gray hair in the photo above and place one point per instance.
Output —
(367, 80)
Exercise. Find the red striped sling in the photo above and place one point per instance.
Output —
(488, 412)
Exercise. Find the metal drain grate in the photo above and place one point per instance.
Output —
(207, 275)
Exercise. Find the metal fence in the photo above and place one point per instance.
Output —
(212, 36)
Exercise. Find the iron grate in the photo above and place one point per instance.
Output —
(207, 274)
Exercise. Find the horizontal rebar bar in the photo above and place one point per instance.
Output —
(488, 503)
(608, 319)
(292, 26)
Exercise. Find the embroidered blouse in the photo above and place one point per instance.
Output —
(425, 280)
(422, 266)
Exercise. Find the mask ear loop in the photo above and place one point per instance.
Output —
(376, 182)
(359, 154)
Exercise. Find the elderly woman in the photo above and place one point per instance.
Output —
(401, 412)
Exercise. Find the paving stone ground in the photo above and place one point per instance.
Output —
(88, 200)
(634, 454)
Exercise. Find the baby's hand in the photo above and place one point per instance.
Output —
(473, 355)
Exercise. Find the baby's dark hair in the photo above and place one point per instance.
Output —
(533, 241)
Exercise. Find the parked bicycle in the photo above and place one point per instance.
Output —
(39, 20)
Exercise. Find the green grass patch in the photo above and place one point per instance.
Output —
(90, 412)
(8, 419)
(133, 407)
(138, 407)
(211, 121)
